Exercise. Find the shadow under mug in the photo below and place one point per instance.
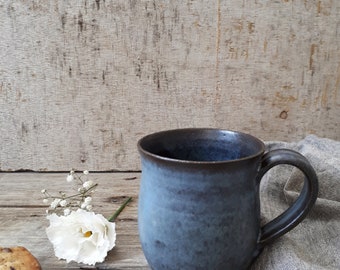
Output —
(199, 205)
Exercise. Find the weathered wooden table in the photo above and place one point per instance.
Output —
(23, 218)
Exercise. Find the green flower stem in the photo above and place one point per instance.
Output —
(120, 209)
(75, 195)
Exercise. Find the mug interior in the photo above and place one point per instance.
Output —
(201, 145)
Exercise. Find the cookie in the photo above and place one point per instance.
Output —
(17, 258)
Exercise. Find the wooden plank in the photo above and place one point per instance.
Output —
(23, 220)
(81, 82)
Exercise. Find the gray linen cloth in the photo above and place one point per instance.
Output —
(315, 243)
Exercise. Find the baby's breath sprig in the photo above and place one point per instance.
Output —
(63, 203)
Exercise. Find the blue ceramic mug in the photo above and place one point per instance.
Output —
(199, 205)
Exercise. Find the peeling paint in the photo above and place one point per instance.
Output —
(284, 114)
(313, 49)
(325, 95)
(80, 22)
(251, 27)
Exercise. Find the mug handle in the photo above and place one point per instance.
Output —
(303, 204)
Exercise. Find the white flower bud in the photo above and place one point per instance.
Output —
(88, 184)
(86, 172)
(88, 199)
(89, 207)
(83, 205)
(70, 178)
(43, 191)
(55, 203)
(45, 201)
(63, 203)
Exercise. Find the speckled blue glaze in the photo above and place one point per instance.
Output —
(199, 199)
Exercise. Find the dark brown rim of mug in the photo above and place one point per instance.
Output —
(183, 161)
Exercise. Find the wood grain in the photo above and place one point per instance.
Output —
(23, 220)
(81, 82)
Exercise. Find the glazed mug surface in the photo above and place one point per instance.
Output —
(199, 205)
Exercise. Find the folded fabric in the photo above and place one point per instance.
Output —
(315, 243)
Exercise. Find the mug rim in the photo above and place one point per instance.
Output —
(149, 154)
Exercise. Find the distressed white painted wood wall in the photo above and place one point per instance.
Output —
(82, 81)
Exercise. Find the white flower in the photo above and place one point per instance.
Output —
(45, 201)
(55, 203)
(70, 178)
(86, 172)
(63, 203)
(81, 236)
(67, 211)
(88, 184)
(88, 199)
